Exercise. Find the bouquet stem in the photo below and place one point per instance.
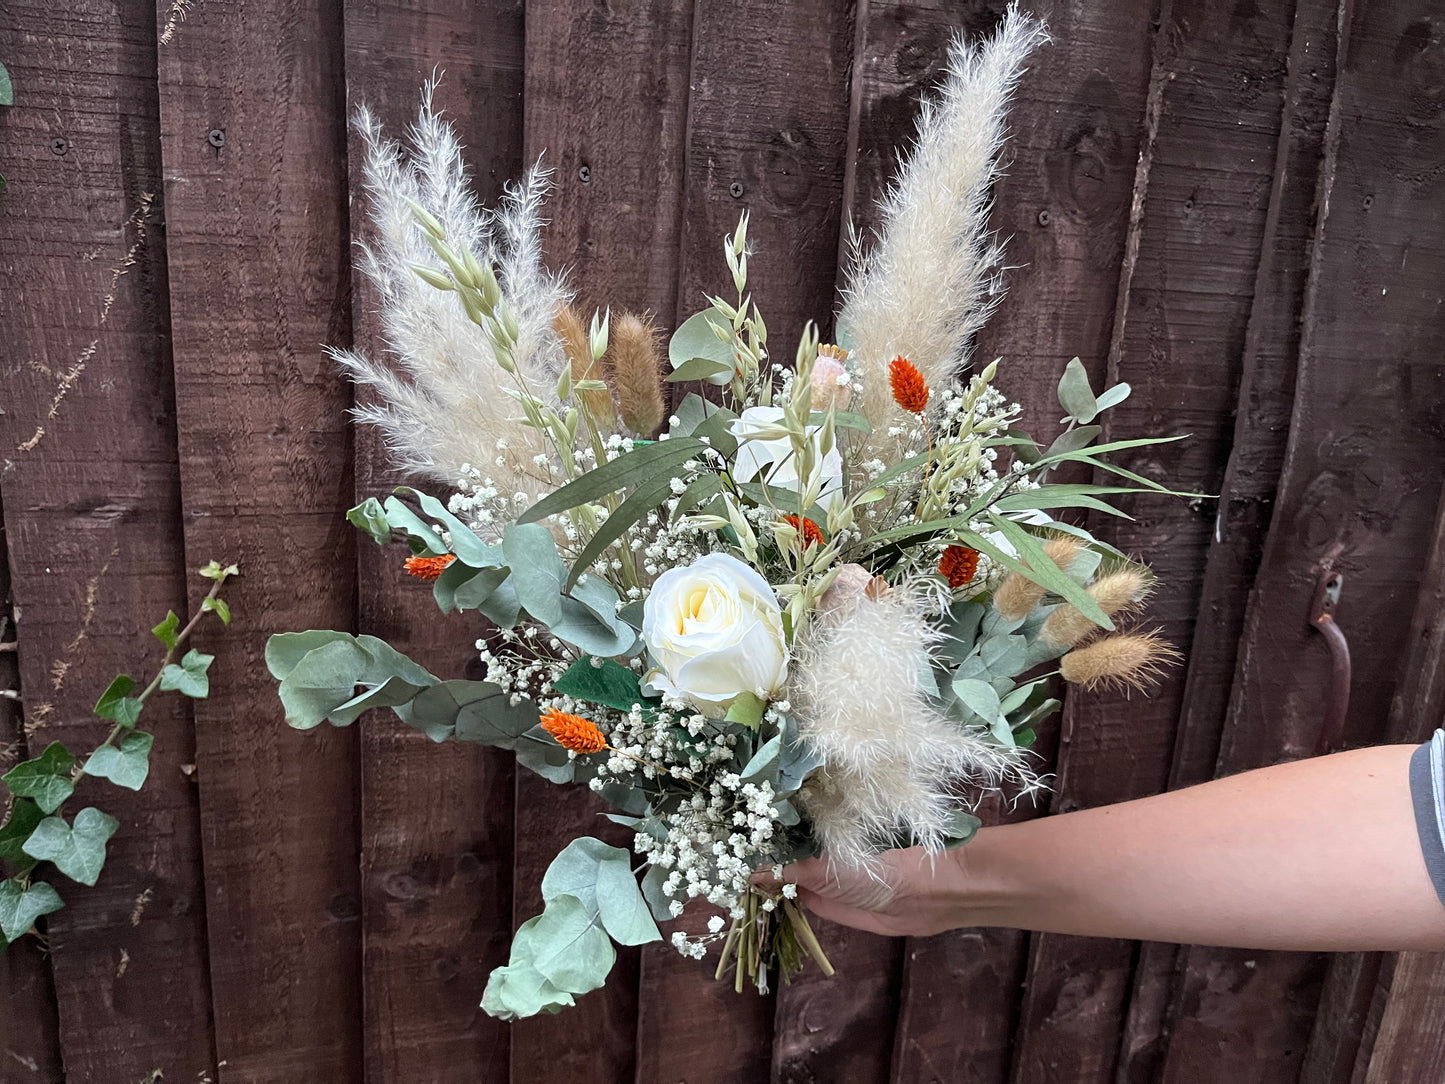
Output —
(768, 938)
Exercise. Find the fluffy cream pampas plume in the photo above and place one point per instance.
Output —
(894, 768)
(439, 402)
(930, 280)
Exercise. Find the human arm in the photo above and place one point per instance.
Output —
(1318, 854)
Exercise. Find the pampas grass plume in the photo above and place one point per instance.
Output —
(578, 348)
(1018, 595)
(1115, 592)
(635, 365)
(1128, 661)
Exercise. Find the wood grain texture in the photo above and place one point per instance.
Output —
(257, 232)
(93, 520)
(1251, 479)
(606, 104)
(1359, 490)
(436, 846)
(29, 1017)
(1063, 204)
(1411, 1043)
(1184, 306)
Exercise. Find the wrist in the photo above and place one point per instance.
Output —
(985, 884)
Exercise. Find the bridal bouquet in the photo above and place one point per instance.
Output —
(814, 611)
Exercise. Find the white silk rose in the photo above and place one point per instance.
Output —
(714, 630)
(771, 460)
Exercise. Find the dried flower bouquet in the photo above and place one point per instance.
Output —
(812, 614)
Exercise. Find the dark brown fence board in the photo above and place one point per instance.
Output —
(600, 87)
(436, 843)
(29, 1017)
(1411, 1043)
(257, 232)
(1359, 490)
(1261, 428)
(1063, 205)
(93, 519)
(1339, 1039)
(1201, 198)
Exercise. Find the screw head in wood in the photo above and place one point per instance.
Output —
(584, 174)
(216, 137)
(1044, 217)
(59, 146)
(735, 190)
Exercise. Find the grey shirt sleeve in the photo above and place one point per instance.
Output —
(1427, 789)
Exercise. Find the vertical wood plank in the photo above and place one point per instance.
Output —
(1359, 489)
(1411, 1043)
(766, 131)
(29, 1017)
(436, 820)
(1251, 479)
(605, 105)
(93, 521)
(1063, 204)
(1200, 202)
(252, 114)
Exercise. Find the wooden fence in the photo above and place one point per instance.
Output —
(1236, 207)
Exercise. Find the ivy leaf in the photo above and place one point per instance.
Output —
(189, 678)
(117, 704)
(20, 907)
(7, 89)
(24, 816)
(125, 765)
(611, 684)
(219, 607)
(77, 850)
(46, 778)
(166, 631)
(214, 571)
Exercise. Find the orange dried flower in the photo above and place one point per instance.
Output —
(429, 568)
(958, 565)
(811, 532)
(910, 390)
(574, 732)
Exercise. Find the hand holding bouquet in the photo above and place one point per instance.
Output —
(817, 612)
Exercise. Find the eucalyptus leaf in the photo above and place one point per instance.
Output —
(1071, 440)
(962, 826)
(695, 338)
(567, 945)
(763, 765)
(1075, 395)
(419, 533)
(658, 901)
(21, 905)
(574, 870)
(700, 369)
(46, 778)
(621, 908)
(285, 649)
(1113, 396)
(516, 992)
(538, 571)
(7, 88)
(391, 693)
(76, 850)
(492, 719)
(979, 697)
(537, 752)
(464, 542)
(126, 764)
(370, 517)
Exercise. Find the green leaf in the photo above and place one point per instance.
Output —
(979, 697)
(125, 765)
(603, 682)
(1113, 397)
(538, 572)
(285, 649)
(699, 369)
(1042, 571)
(166, 631)
(842, 419)
(322, 682)
(566, 945)
(369, 516)
(217, 606)
(1075, 395)
(189, 678)
(520, 991)
(747, 709)
(695, 338)
(764, 763)
(465, 544)
(462, 587)
(24, 816)
(46, 778)
(620, 905)
(1071, 440)
(117, 704)
(644, 499)
(21, 906)
(488, 717)
(214, 571)
(645, 462)
(962, 826)
(419, 533)
(7, 88)
(394, 692)
(581, 627)
(77, 850)
(1005, 656)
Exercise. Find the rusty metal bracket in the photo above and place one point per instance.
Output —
(1322, 617)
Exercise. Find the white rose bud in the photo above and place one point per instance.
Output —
(714, 630)
(771, 460)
